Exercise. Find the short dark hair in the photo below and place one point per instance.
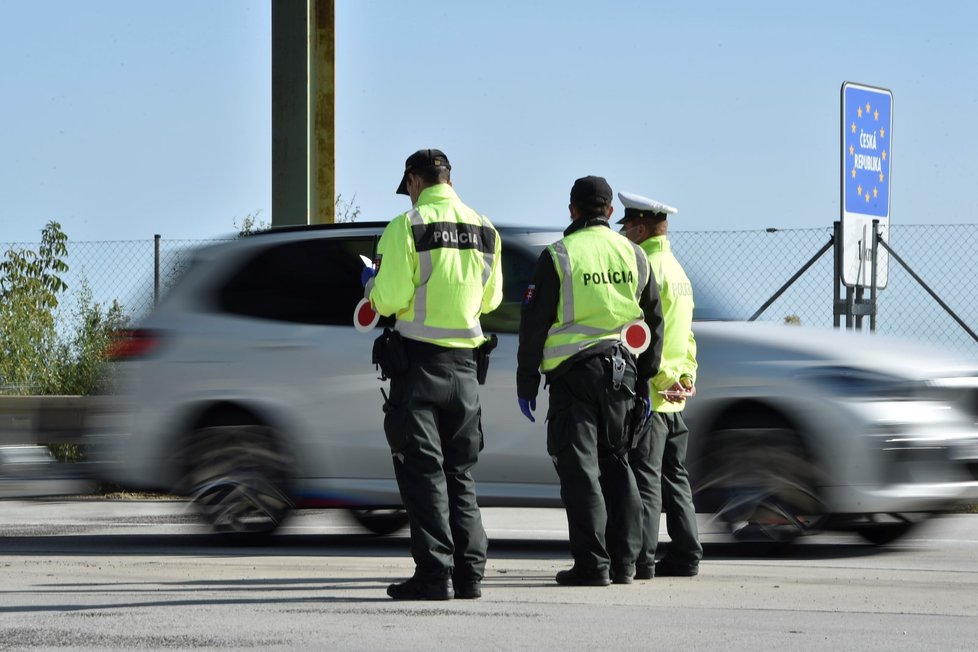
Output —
(431, 176)
(594, 209)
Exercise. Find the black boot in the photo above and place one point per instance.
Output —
(422, 589)
(576, 577)
(668, 568)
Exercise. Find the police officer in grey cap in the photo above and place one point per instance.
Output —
(659, 459)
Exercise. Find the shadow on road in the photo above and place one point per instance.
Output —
(362, 545)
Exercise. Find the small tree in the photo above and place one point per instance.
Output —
(79, 356)
(41, 351)
(251, 224)
(346, 211)
(30, 285)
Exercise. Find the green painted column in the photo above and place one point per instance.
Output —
(290, 180)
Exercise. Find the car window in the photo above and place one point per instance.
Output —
(518, 265)
(315, 281)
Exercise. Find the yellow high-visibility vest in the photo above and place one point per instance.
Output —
(678, 344)
(439, 270)
(602, 276)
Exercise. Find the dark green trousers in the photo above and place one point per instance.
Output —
(659, 462)
(586, 423)
(433, 426)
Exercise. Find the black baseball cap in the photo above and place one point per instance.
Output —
(423, 159)
(591, 194)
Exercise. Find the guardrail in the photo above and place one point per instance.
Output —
(27, 424)
(33, 420)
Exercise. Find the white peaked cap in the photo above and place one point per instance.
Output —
(644, 204)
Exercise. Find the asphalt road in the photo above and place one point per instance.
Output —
(143, 575)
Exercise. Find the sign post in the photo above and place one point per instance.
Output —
(867, 159)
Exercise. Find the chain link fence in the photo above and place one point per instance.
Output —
(121, 270)
(738, 271)
(734, 274)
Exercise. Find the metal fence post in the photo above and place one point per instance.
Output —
(872, 289)
(929, 291)
(156, 269)
(837, 274)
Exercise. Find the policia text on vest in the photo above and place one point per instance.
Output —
(608, 277)
(456, 236)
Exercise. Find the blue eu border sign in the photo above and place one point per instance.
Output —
(867, 158)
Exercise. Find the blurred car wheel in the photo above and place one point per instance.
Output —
(237, 477)
(764, 480)
(887, 528)
(381, 521)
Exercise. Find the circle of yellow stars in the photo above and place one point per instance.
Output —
(852, 150)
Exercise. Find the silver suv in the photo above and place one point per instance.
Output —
(249, 390)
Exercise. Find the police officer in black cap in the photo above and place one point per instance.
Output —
(438, 269)
(586, 289)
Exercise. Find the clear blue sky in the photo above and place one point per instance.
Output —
(123, 119)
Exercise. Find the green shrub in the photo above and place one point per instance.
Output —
(42, 350)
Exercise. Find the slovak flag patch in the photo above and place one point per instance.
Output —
(531, 291)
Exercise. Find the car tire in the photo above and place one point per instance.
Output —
(381, 521)
(237, 477)
(762, 479)
(896, 526)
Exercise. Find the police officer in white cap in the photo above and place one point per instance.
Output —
(659, 459)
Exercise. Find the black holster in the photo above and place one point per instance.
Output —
(635, 417)
(482, 354)
(635, 422)
(389, 354)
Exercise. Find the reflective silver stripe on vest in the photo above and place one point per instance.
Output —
(424, 273)
(567, 283)
(419, 330)
(577, 329)
(566, 350)
(644, 269)
(487, 258)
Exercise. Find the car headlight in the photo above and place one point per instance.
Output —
(850, 382)
(961, 391)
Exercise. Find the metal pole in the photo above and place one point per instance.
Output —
(794, 278)
(322, 121)
(933, 294)
(872, 288)
(836, 274)
(849, 316)
(290, 112)
(847, 306)
(156, 270)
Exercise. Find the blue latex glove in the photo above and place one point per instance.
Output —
(367, 274)
(648, 408)
(527, 405)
